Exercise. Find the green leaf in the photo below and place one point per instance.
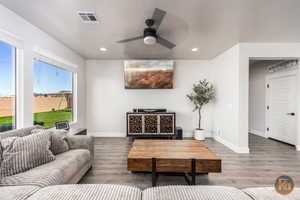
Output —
(203, 92)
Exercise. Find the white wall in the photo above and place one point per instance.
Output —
(29, 38)
(226, 109)
(258, 72)
(108, 101)
(267, 51)
(227, 118)
(257, 97)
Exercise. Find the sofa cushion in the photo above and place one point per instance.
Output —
(269, 193)
(194, 193)
(1, 152)
(59, 171)
(58, 140)
(19, 132)
(23, 153)
(88, 192)
(17, 192)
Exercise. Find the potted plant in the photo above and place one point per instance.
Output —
(203, 92)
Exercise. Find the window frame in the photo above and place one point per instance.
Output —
(9, 40)
(50, 61)
(18, 44)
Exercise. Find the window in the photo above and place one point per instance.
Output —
(53, 94)
(7, 87)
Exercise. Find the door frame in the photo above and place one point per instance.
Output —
(267, 98)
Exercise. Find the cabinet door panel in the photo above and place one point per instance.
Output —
(135, 124)
(151, 124)
(166, 124)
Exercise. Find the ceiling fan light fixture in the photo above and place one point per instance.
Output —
(150, 40)
(150, 35)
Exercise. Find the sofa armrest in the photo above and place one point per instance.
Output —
(81, 142)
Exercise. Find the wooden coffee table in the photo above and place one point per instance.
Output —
(174, 156)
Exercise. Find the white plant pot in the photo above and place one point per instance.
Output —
(199, 134)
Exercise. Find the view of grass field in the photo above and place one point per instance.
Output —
(49, 118)
(6, 120)
(52, 91)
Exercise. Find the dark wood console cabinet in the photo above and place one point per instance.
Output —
(151, 124)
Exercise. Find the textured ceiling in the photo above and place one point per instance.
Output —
(210, 25)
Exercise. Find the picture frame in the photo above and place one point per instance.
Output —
(149, 74)
(62, 125)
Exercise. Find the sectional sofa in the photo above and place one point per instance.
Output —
(118, 192)
(53, 181)
(67, 168)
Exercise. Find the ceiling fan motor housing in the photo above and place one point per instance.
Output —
(150, 36)
(149, 22)
(150, 33)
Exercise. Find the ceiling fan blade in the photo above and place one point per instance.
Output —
(158, 16)
(130, 39)
(165, 43)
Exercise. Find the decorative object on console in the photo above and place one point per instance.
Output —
(62, 125)
(179, 133)
(151, 124)
(203, 92)
(149, 74)
(150, 110)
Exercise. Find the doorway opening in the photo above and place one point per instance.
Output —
(273, 94)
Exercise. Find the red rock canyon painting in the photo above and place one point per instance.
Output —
(149, 74)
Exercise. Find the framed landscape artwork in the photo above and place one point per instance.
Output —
(149, 74)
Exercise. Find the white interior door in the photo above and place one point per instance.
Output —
(282, 108)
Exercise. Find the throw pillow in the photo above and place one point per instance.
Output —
(0, 154)
(23, 153)
(19, 132)
(0, 160)
(58, 142)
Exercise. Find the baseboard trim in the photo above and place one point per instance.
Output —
(208, 134)
(106, 134)
(231, 146)
(187, 134)
(257, 132)
(190, 134)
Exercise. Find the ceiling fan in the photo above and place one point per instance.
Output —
(150, 33)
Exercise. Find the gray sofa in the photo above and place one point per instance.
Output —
(67, 168)
(117, 192)
(53, 181)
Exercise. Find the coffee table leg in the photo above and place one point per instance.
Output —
(154, 174)
(193, 172)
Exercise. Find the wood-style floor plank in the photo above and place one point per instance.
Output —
(267, 160)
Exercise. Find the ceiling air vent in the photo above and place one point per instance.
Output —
(88, 17)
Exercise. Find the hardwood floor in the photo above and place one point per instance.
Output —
(267, 160)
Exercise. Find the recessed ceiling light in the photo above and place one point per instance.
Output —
(194, 49)
(103, 49)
